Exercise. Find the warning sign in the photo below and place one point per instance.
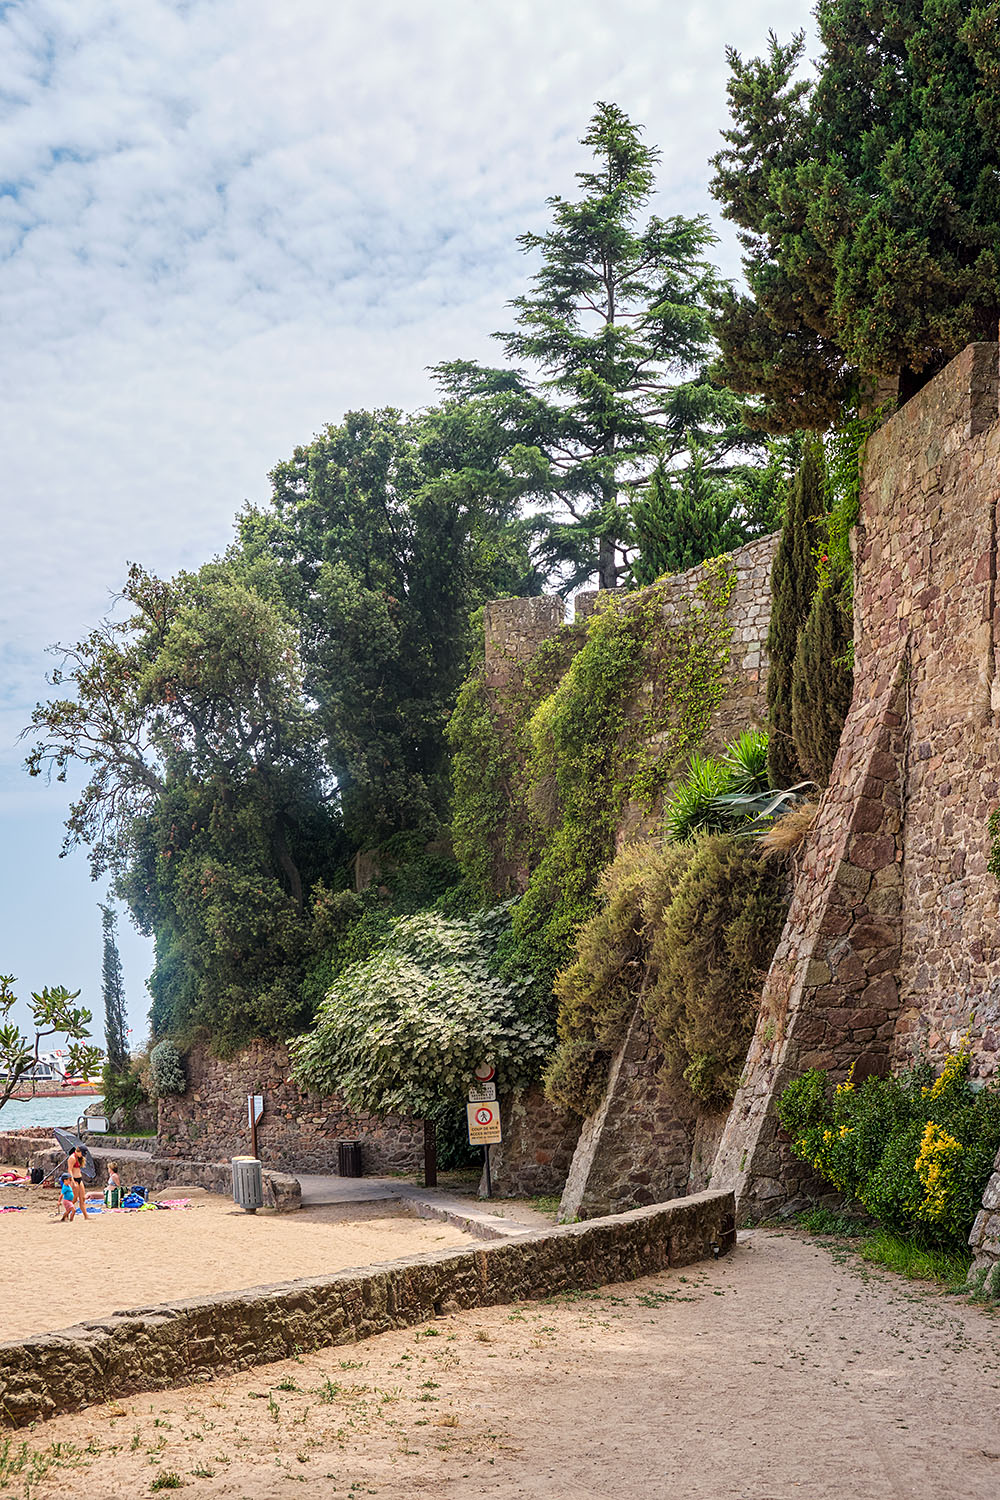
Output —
(484, 1124)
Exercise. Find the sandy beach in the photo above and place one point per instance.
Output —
(56, 1274)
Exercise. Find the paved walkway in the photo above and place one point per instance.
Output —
(499, 1221)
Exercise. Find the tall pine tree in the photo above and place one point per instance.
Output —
(793, 584)
(113, 992)
(868, 203)
(616, 330)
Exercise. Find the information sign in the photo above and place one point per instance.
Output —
(482, 1093)
(255, 1108)
(484, 1124)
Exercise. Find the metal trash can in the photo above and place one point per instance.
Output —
(349, 1158)
(248, 1183)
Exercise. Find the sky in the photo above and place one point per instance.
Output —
(223, 223)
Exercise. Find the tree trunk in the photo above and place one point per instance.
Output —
(430, 1154)
(607, 567)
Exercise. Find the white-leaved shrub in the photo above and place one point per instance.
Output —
(167, 1068)
(403, 1030)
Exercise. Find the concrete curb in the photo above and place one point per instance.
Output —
(176, 1343)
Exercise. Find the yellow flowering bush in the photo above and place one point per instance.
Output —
(914, 1150)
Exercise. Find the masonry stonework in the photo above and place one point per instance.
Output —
(645, 1141)
(299, 1131)
(891, 945)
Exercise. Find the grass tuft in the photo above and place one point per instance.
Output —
(916, 1262)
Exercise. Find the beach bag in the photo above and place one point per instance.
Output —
(36, 1174)
(112, 1197)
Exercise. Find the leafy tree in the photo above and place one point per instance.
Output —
(617, 326)
(113, 993)
(52, 1012)
(867, 203)
(793, 583)
(206, 796)
(403, 1030)
(681, 519)
(822, 680)
(387, 533)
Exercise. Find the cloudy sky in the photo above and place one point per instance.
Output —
(225, 222)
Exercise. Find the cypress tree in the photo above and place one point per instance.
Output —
(113, 991)
(682, 519)
(821, 680)
(793, 583)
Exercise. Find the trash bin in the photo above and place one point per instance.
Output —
(248, 1183)
(349, 1158)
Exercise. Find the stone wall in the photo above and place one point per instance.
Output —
(299, 1131)
(180, 1342)
(642, 1144)
(537, 1147)
(892, 940)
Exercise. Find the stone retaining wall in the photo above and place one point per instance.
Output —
(281, 1191)
(299, 1131)
(181, 1342)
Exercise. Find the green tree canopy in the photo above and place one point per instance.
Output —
(616, 328)
(387, 533)
(868, 204)
(403, 1030)
(205, 796)
(52, 1013)
(681, 519)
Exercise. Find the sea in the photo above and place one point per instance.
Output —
(18, 1114)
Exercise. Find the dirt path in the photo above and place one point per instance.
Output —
(775, 1374)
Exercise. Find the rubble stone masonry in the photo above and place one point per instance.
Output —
(892, 943)
(299, 1131)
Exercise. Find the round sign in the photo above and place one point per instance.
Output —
(483, 1116)
(485, 1072)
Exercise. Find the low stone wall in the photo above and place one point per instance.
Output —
(299, 1131)
(16, 1150)
(181, 1342)
(281, 1190)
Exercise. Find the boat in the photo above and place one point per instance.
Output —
(46, 1079)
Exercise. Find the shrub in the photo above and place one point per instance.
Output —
(599, 990)
(709, 957)
(688, 930)
(403, 1030)
(167, 1068)
(916, 1152)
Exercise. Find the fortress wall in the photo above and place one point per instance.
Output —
(892, 938)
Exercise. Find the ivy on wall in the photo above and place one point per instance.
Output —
(604, 715)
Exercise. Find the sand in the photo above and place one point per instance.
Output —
(56, 1274)
(774, 1374)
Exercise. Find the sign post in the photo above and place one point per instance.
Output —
(255, 1108)
(483, 1116)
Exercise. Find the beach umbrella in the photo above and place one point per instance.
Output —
(70, 1142)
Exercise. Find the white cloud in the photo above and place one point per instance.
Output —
(223, 222)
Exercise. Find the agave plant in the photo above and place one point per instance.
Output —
(730, 793)
(746, 759)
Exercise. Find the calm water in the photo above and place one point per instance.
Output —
(19, 1113)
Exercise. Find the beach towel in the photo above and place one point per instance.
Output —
(13, 1208)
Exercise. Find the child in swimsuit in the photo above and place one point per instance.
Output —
(68, 1199)
(113, 1191)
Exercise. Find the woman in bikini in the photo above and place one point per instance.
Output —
(75, 1164)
